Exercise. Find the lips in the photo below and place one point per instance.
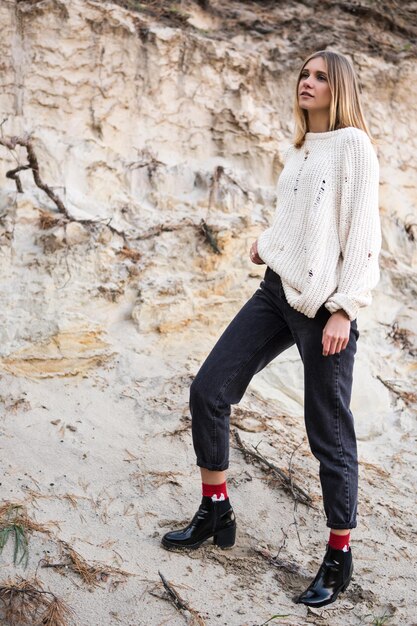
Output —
(304, 93)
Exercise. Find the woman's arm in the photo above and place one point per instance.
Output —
(359, 227)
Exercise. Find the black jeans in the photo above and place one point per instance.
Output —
(264, 327)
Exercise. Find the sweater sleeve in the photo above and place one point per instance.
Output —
(359, 227)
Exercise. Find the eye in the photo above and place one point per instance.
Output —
(305, 73)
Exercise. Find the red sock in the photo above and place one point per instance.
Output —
(215, 492)
(339, 542)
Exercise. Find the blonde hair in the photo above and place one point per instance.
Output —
(345, 105)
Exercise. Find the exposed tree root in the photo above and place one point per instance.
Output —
(26, 142)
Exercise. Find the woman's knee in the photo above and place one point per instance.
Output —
(205, 393)
(199, 391)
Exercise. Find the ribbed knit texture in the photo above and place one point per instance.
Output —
(215, 492)
(339, 542)
(326, 235)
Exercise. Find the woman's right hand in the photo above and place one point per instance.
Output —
(254, 256)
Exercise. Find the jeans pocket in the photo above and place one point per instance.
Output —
(355, 330)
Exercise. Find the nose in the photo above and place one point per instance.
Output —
(305, 83)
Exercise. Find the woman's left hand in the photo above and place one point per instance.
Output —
(336, 333)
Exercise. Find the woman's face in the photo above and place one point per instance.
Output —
(314, 81)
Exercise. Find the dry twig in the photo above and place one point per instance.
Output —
(164, 228)
(179, 603)
(409, 397)
(287, 482)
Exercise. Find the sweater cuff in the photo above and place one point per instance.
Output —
(342, 301)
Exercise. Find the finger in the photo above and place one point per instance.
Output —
(332, 345)
(343, 342)
(329, 348)
(336, 345)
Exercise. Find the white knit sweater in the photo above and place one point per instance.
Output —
(326, 235)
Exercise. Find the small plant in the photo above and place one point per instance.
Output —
(11, 525)
(378, 621)
(274, 617)
(20, 542)
(177, 11)
(15, 522)
(210, 237)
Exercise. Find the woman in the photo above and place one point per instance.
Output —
(321, 254)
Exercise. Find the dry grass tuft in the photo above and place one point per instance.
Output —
(403, 338)
(25, 603)
(72, 499)
(155, 479)
(91, 574)
(128, 253)
(57, 614)
(48, 220)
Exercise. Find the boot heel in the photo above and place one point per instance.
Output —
(225, 538)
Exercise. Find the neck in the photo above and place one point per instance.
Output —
(318, 121)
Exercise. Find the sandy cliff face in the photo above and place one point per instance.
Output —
(150, 127)
(162, 132)
(165, 145)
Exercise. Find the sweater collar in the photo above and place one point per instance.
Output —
(327, 134)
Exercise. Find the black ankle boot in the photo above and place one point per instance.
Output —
(213, 519)
(332, 578)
